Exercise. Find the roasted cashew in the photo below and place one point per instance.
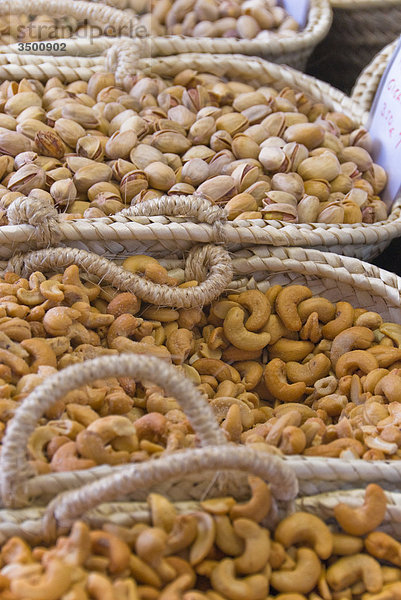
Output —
(290, 350)
(276, 328)
(276, 382)
(366, 518)
(66, 459)
(350, 339)
(52, 290)
(71, 277)
(390, 387)
(175, 589)
(305, 529)
(224, 581)
(384, 547)
(393, 331)
(226, 539)
(344, 319)
(151, 546)
(318, 367)
(180, 343)
(183, 534)
(355, 360)
(122, 304)
(251, 372)
(258, 306)
(38, 440)
(59, 320)
(203, 543)
(287, 303)
(99, 586)
(163, 512)
(90, 317)
(345, 545)
(125, 589)
(258, 506)
(348, 570)
(237, 334)
(369, 319)
(217, 368)
(50, 586)
(385, 356)
(323, 307)
(17, 365)
(257, 547)
(109, 545)
(302, 578)
(124, 325)
(41, 352)
(75, 549)
(149, 267)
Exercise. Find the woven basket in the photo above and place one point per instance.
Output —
(360, 29)
(368, 81)
(337, 278)
(157, 224)
(293, 51)
(103, 19)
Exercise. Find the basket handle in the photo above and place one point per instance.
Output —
(210, 265)
(15, 466)
(71, 505)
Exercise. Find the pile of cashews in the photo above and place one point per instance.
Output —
(219, 550)
(280, 369)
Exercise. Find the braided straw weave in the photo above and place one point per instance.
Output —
(367, 83)
(360, 29)
(157, 225)
(280, 48)
(335, 277)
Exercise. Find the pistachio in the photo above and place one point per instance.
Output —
(288, 182)
(132, 183)
(219, 189)
(334, 213)
(63, 192)
(233, 123)
(308, 209)
(90, 146)
(170, 141)
(277, 197)
(359, 156)
(160, 176)
(244, 146)
(310, 135)
(87, 176)
(48, 143)
(26, 179)
(142, 155)
(318, 187)
(69, 131)
(83, 115)
(13, 143)
(274, 160)
(325, 166)
(120, 144)
(195, 172)
(239, 204)
(16, 104)
(103, 186)
(182, 115)
(202, 130)
(108, 203)
(221, 140)
(245, 175)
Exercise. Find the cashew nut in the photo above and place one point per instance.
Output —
(316, 368)
(358, 521)
(302, 578)
(236, 332)
(287, 302)
(350, 339)
(323, 307)
(356, 359)
(257, 547)
(303, 528)
(259, 307)
(384, 547)
(276, 382)
(344, 319)
(225, 582)
(348, 570)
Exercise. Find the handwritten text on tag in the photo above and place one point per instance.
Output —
(385, 126)
(298, 9)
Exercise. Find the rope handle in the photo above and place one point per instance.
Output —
(178, 205)
(69, 506)
(210, 265)
(15, 466)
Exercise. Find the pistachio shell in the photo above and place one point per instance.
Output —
(219, 189)
(160, 176)
(310, 135)
(325, 166)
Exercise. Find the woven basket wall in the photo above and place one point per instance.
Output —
(368, 81)
(293, 51)
(335, 277)
(360, 29)
(159, 225)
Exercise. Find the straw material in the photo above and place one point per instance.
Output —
(360, 29)
(335, 277)
(367, 83)
(127, 231)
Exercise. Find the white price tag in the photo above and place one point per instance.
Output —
(298, 9)
(384, 126)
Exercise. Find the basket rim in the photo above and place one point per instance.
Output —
(355, 5)
(366, 85)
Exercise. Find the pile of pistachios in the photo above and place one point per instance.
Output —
(252, 19)
(29, 28)
(92, 148)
